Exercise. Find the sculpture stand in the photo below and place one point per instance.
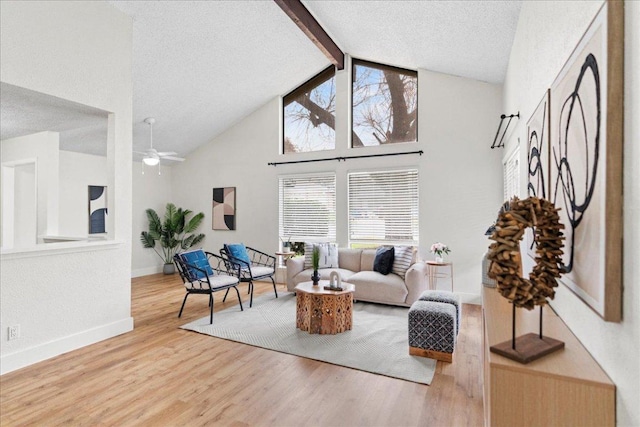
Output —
(526, 348)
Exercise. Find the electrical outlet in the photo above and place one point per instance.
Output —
(14, 332)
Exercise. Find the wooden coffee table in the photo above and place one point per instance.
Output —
(321, 311)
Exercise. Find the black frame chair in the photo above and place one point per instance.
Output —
(206, 285)
(242, 270)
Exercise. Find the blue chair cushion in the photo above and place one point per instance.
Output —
(238, 251)
(196, 258)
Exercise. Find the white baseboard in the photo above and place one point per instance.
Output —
(20, 359)
(146, 271)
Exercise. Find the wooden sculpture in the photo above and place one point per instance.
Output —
(506, 261)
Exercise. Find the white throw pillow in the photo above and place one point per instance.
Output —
(328, 255)
(403, 255)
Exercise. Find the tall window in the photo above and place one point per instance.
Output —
(511, 175)
(309, 115)
(383, 208)
(308, 207)
(385, 104)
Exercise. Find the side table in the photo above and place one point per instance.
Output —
(281, 266)
(439, 270)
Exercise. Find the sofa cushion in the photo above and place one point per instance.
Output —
(367, 259)
(349, 258)
(403, 257)
(384, 260)
(373, 286)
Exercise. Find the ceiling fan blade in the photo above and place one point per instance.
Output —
(166, 153)
(175, 159)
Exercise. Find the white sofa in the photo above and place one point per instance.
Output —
(356, 267)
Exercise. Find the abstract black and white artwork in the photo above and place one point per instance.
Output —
(585, 178)
(224, 208)
(537, 159)
(97, 209)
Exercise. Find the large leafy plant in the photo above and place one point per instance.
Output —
(172, 232)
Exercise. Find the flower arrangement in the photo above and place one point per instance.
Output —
(439, 249)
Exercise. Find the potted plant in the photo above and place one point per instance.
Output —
(315, 263)
(172, 233)
(286, 244)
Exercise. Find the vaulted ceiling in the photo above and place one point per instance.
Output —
(201, 66)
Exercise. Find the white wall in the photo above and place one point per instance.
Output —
(460, 176)
(77, 172)
(546, 35)
(43, 147)
(26, 224)
(77, 294)
(149, 191)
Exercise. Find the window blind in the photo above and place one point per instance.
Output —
(383, 207)
(511, 175)
(307, 207)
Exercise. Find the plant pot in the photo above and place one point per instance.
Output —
(169, 268)
(439, 260)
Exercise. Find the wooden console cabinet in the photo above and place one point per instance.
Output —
(565, 388)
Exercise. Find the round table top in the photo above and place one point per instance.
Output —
(438, 263)
(307, 287)
(285, 253)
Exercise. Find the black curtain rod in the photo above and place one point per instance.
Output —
(502, 117)
(345, 158)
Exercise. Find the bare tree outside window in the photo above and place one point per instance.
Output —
(309, 115)
(385, 104)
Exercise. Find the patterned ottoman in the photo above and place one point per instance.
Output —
(432, 330)
(446, 297)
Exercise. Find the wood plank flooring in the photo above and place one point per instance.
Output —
(159, 375)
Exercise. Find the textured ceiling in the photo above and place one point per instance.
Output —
(24, 112)
(201, 66)
(464, 38)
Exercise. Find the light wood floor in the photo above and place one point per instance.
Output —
(159, 375)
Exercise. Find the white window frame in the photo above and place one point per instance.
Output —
(306, 211)
(411, 201)
(511, 174)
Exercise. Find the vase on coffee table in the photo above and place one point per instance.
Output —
(315, 277)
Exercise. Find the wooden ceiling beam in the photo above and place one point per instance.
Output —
(308, 24)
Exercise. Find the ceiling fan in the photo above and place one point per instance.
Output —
(151, 155)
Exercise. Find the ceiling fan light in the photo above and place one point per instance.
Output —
(151, 161)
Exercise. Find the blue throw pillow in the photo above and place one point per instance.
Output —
(238, 251)
(383, 262)
(196, 258)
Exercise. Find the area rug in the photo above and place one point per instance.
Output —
(377, 343)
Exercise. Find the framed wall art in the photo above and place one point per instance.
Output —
(97, 209)
(537, 159)
(586, 162)
(224, 208)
